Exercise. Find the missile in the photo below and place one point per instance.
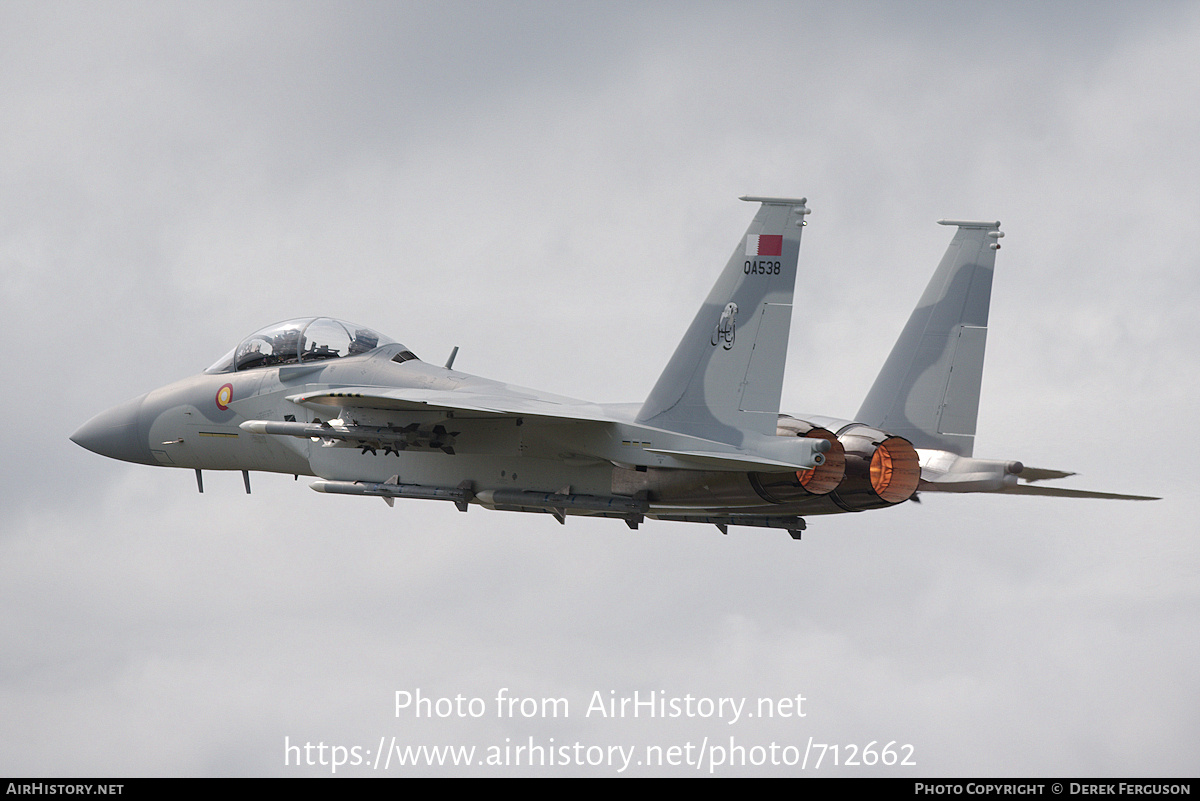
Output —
(460, 495)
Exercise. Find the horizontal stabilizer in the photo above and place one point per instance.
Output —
(1061, 492)
(944, 472)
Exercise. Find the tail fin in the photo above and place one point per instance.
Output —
(928, 389)
(726, 376)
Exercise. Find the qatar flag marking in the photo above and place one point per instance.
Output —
(764, 245)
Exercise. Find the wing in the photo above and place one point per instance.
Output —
(461, 402)
(393, 437)
(585, 429)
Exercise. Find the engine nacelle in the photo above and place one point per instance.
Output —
(881, 469)
(821, 480)
(864, 468)
(704, 488)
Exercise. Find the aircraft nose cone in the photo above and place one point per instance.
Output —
(114, 434)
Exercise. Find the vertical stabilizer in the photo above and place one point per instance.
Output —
(726, 376)
(928, 389)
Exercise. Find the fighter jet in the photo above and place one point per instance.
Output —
(363, 415)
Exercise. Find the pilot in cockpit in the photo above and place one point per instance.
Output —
(308, 339)
(364, 340)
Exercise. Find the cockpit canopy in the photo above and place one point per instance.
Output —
(308, 339)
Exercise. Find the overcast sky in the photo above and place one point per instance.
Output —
(553, 188)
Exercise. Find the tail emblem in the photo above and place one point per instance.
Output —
(725, 331)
